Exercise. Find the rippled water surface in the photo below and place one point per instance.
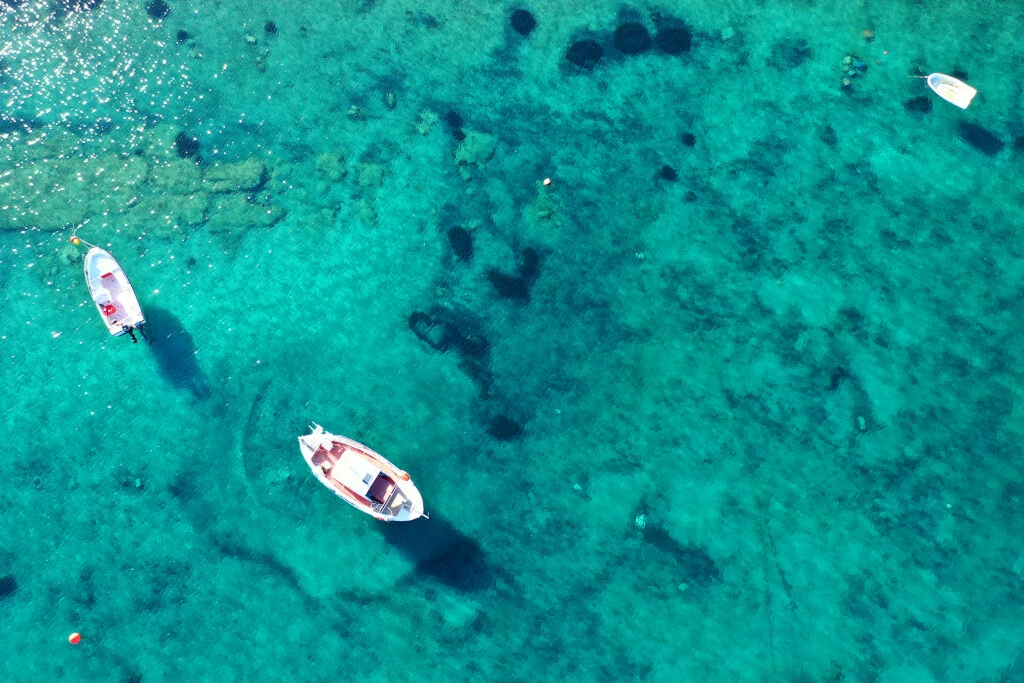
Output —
(696, 324)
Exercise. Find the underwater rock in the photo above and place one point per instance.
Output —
(431, 331)
(585, 53)
(504, 428)
(8, 586)
(462, 242)
(523, 22)
(331, 165)
(370, 175)
(35, 188)
(158, 9)
(64, 6)
(529, 263)
(454, 121)
(236, 176)
(1018, 144)
(789, 55)
(688, 139)
(236, 213)
(173, 178)
(174, 209)
(441, 331)
(517, 287)
(509, 286)
(476, 148)
(425, 121)
(9, 125)
(183, 36)
(959, 72)
(668, 173)
(470, 344)
(836, 378)
(918, 105)
(631, 38)
(980, 138)
(828, 136)
(692, 563)
(186, 146)
(270, 28)
(674, 40)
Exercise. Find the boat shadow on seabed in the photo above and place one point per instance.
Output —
(442, 552)
(175, 352)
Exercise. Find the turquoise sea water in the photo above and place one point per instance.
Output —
(754, 417)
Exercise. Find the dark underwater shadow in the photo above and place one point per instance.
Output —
(175, 352)
(441, 552)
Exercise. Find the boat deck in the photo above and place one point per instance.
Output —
(113, 285)
(382, 491)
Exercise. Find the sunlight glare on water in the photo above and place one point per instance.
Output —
(84, 65)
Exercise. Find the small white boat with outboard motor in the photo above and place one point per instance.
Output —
(112, 292)
(361, 477)
(951, 89)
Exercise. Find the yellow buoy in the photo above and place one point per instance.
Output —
(76, 240)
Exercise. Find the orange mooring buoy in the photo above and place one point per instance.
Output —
(76, 240)
(75, 638)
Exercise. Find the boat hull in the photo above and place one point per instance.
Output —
(361, 477)
(112, 292)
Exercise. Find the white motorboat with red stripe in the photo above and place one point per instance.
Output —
(112, 292)
(361, 477)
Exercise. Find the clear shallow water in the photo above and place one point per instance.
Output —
(769, 408)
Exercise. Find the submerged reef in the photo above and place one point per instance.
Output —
(461, 241)
(186, 146)
(585, 53)
(523, 22)
(517, 286)
(673, 40)
(504, 428)
(447, 329)
(632, 38)
(8, 586)
(158, 9)
(62, 179)
(918, 105)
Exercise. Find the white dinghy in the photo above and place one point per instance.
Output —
(953, 90)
